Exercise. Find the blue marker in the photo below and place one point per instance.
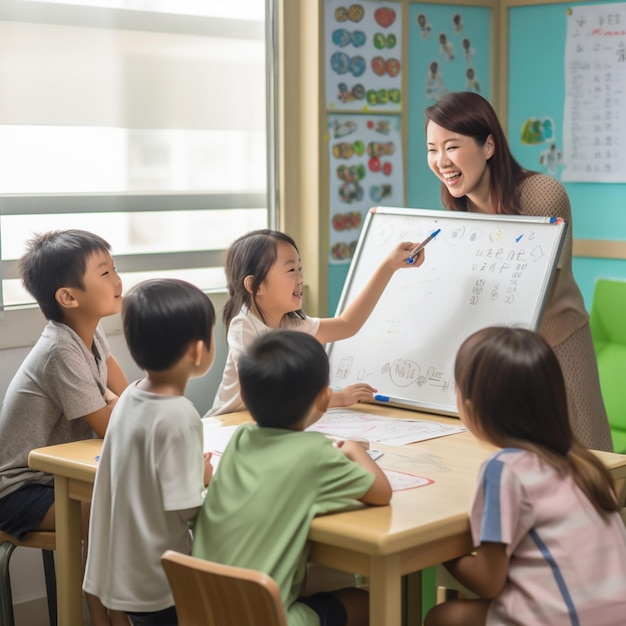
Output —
(380, 398)
(419, 248)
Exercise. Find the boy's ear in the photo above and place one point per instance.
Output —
(195, 351)
(323, 399)
(65, 298)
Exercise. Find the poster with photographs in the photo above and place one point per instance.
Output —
(363, 53)
(365, 158)
(449, 50)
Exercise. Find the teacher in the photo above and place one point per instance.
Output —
(468, 152)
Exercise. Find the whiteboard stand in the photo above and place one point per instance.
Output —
(481, 270)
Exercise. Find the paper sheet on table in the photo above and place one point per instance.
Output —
(216, 438)
(377, 429)
(400, 481)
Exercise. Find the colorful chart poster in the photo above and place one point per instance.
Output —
(594, 120)
(365, 158)
(362, 56)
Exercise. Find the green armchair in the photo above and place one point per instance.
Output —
(608, 329)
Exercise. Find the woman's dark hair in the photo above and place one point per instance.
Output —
(162, 317)
(57, 259)
(469, 114)
(252, 254)
(281, 374)
(514, 384)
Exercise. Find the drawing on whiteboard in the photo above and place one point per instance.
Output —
(404, 372)
(436, 377)
(475, 234)
(497, 236)
(382, 235)
(537, 253)
(345, 366)
(455, 236)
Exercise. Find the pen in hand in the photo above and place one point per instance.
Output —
(411, 259)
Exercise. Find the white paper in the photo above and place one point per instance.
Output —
(376, 429)
(594, 126)
(216, 438)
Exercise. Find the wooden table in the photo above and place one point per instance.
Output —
(420, 528)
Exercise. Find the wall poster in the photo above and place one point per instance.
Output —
(594, 120)
(365, 158)
(363, 50)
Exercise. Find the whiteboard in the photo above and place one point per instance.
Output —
(480, 270)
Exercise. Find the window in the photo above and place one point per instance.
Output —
(141, 120)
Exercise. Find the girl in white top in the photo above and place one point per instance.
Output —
(265, 291)
(550, 542)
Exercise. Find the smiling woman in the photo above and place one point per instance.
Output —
(460, 163)
(469, 153)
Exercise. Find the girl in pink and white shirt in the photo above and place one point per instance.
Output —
(550, 543)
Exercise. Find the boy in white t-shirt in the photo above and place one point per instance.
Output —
(152, 472)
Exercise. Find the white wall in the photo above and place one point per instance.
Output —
(19, 330)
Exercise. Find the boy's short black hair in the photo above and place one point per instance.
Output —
(57, 259)
(281, 374)
(161, 318)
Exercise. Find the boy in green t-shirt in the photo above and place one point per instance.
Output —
(273, 479)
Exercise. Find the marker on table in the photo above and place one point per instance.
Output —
(419, 248)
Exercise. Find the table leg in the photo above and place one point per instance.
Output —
(412, 599)
(385, 581)
(69, 555)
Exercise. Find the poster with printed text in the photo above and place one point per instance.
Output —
(594, 119)
(365, 159)
(362, 56)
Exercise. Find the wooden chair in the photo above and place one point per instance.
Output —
(42, 540)
(211, 594)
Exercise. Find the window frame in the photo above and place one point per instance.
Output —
(19, 324)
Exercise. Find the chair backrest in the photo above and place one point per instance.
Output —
(608, 312)
(211, 594)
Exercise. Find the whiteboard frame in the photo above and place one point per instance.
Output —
(534, 324)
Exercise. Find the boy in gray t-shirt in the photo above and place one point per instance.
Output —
(68, 384)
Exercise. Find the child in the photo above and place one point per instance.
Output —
(68, 384)
(273, 478)
(551, 545)
(151, 475)
(265, 291)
